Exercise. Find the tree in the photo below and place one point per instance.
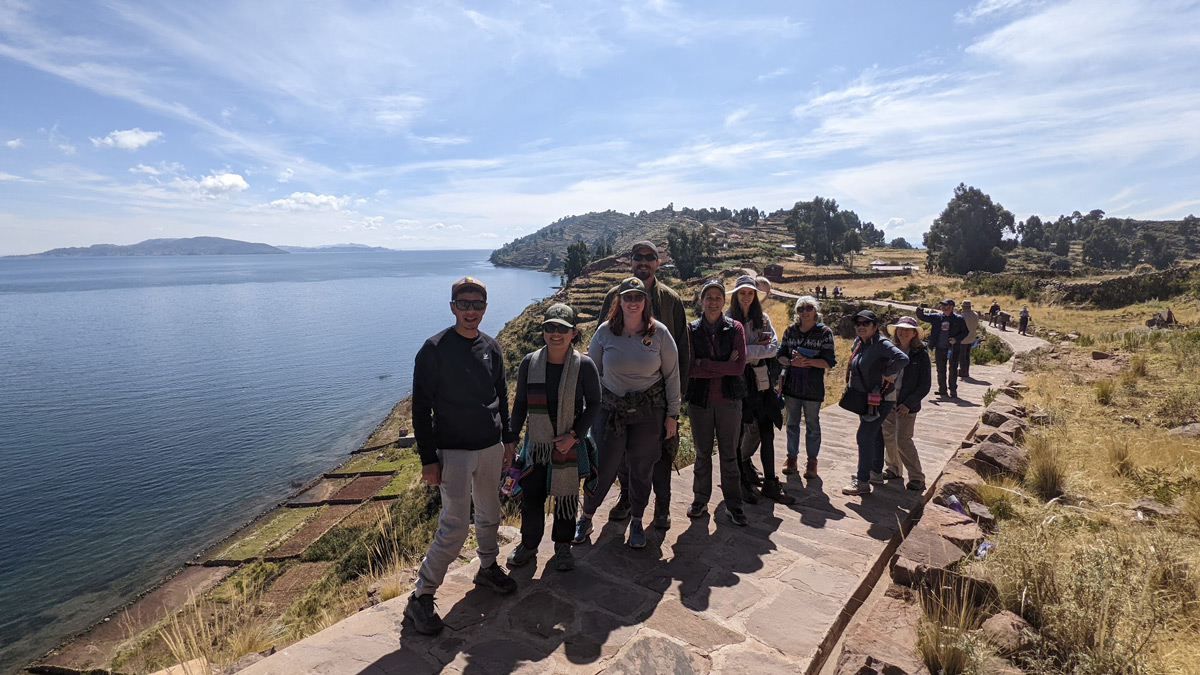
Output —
(1033, 234)
(901, 243)
(689, 248)
(872, 236)
(1104, 247)
(966, 236)
(577, 259)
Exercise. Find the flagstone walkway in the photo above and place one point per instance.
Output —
(705, 597)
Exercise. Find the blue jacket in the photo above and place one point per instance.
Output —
(916, 380)
(873, 360)
(958, 327)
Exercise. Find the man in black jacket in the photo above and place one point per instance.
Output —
(946, 330)
(460, 419)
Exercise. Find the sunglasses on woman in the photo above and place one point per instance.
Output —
(464, 305)
(864, 323)
(556, 328)
(632, 298)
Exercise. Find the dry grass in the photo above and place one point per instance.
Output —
(210, 632)
(1105, 390)
(945, 639)
(1046, 476)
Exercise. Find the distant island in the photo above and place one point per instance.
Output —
(333, 248)
(158, 247)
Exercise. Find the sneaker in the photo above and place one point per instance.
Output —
(916, 485)
(789, 467)
(424, 617)
(737, 516)
(888, 474)
(521, 556)
(564, 561)
(662, 515)
(583, 527)
(941, 392)
(697, 510)
(771, 489)
(637, 535)
(810, 468)
(750, 494)
(857, 487)
(622, 509)
(494, 578)
(878, 478)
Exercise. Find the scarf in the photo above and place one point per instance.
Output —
(565, 467)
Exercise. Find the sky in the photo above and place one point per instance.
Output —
(446, 124)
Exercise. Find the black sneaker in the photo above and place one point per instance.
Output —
(737, 516)
(750, 494)
(494, 578)
(916, 485)
(583, 527)
(564, 561)
(637, 535)
(521, 556)
(662, 515)
(771, 489)
(424, 617)
(622, 509)
(697, 510)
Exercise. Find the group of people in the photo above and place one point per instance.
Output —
(823, 292)
(611, 416)
(999, 319)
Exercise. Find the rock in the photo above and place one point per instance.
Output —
(852, 663)
(999, 460)
(1098, 355)
(982, 515)
(1010, 400)
(1151, 508)
(1015, 428)
(508, 534)
(959, 480)
(1073, 335)
(406, 441)
(1186, 431)
(1007, 632)
(960, 530)
(1040, 419)
(247, 661)
(994, 435)
(882, 642)
(1163, 319)
(1129, 419)
(997, 414)
(390, 586)
(922, 550)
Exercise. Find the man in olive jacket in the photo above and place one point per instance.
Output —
(665, 306)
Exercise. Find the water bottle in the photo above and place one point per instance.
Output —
(958, 506)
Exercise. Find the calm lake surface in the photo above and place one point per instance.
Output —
(150, 405)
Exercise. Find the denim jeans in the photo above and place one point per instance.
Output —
(812, 426)
(870, 442)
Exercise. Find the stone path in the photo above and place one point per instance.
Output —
(706, 597)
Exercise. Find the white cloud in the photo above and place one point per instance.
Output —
(212, 186)
(308, 201)
(14, 143)
(735, 117)
(59, 141)
(395, 112)
(442, 140)
(986, 8)
(778, 72)
(130, 139)
(285, 175)
(488, 235)
(15, 179)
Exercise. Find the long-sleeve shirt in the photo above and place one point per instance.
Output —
(587, 397)
(460, 400)
(756, 352)
(713, 369)
(634, 362)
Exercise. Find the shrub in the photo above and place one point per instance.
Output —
(991, 349)
(1104, 391)
(1178, 407)
(1046, 474)
(989, 396)
(1119, 455)
(945, 639)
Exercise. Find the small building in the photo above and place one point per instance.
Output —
(773, 272)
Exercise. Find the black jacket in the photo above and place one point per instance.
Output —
(958, 327)
(916, 380)
(733, 387)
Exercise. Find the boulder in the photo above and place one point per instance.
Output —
(881, 643)
(994, 435)
(997, 414)
(1007, 632)
(1151, 508)
(1186, 431)
(959, 480)
(1015, 428)
(853, 663)
(982, 515)
(993, 459)
(1040, 419)
(1098, 355)
(1073, 335)
(921, 551)
(1011, 401)
(960, 530)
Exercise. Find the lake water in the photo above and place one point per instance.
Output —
(149, 405)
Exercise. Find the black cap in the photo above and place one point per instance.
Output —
(467, 284)
(630, 285)
(947, 301)
(560, 314)
(868, 315)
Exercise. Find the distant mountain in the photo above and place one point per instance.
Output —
(157, 247)
(333, 248)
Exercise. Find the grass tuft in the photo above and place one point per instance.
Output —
(1105, 390)
(1046, 474)
(945, 639)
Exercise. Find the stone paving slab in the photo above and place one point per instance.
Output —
(705, 596)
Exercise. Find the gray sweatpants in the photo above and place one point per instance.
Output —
(465, 474)
(724, 420)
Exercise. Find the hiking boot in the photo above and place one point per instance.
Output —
(810, 468)
(564, 561)
(697, 510)
(494, 578)
(750, 474)
(916, 485)
(941, 392)
(878, 478)
(857, 487)
(637, 535)
(888, 474)
(953, 393)
(521, 556)
(622, 508)
(750, 494)
(662, 515)
(424, 617)
(771, 489)
(789, 467)
(583, 527)
(737, 516)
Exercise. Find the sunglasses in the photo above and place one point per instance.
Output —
(464, 305)
(556, 328)
(639, 257)
(864, 323)
(633, 298)
(807, 308)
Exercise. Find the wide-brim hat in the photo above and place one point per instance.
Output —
(744, 281)
(560, 314)
(905, 322)
(631, 285)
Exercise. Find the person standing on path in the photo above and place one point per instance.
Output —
(559, 390)
(714, 395)
(667, 308)
(912, 385)
(806, 352)
(947, 330)
(994, 313)
(760, 409)
(460, 419)
(971, 319)
(872, 370)
(639, 406)
(1023, 326)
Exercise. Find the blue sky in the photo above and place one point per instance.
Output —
(452, 125)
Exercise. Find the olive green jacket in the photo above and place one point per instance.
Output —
(665, 306)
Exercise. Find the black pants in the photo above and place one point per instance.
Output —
(533, 511)
(964, 360)
(944, 356)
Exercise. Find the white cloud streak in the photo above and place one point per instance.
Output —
(130, 139)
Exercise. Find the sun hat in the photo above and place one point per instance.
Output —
(560, 314)
(631, 285)
(905, 322)
(744, 281)
(467, 284)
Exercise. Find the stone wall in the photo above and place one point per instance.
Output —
(1121, 291)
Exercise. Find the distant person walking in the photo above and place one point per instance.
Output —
(971, 319)
(639, 408)
(558, 390)
(947, 330)
(872, 370)
(994, 313)
(666, 307)
(460, 419)
(1023, 326)
(806, 351)
(760, 409)
(715, 391)
(911, 387)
